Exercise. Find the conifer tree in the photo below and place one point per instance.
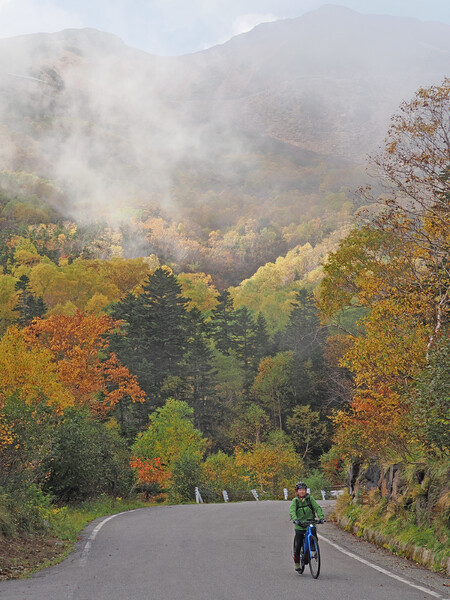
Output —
(223, 317)
(163, 318)
(28, 306)
(262, 339)
(201, 374)
(243, 336)
(155, 338)
(303, 334)
(305, 337)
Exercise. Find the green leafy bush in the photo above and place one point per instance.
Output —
(24, 510)
(316, 482)
(87, 459)
(186, 476)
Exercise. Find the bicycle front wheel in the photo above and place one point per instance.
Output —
(314, 557)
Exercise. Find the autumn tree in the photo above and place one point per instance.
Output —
(79, 348)
(26, 439)
(415, 169)
(32, 401)
(308, 432)
(271, 466)
(199, 289)
(251, 427)
(395, 267)
(273, 386)
(220, 472)
(170, 436)
(29, 372)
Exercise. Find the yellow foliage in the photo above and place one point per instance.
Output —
(199, 289)
(29, 373)
(271, 466)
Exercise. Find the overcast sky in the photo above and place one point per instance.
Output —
(174, 27)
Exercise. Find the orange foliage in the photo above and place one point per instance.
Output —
(149, 470)
(77, 344)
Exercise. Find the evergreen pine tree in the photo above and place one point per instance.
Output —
(155, 338)
(306, 338)
(28, 306)
(201, 374)
(262, 339)
(162, 317)
(303, 334)
(243, 336)
(222, 322)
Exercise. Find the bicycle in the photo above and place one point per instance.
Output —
(310, 551)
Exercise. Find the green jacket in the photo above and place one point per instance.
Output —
(301, 510)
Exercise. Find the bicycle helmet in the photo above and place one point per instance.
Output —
(301, 485)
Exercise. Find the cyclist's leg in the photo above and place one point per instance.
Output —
(298, 543)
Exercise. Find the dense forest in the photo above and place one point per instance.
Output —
(203, 363)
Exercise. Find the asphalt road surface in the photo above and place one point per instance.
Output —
(239, 551)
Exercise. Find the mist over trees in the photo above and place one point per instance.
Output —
(217, 162)
(230, 328)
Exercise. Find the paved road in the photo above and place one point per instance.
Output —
(233, 551)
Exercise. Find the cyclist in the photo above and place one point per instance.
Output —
(303, 507)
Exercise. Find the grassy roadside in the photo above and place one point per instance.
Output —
(391, 527)
(23, 555)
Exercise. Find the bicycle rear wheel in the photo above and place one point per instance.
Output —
(314, 557)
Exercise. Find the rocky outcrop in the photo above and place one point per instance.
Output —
(416, 492)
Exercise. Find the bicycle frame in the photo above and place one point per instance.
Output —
(310, 551)
(307, 539)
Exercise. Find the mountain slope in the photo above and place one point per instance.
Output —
(265, 133)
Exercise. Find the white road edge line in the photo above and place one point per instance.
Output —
(384, 571)
(91, 538)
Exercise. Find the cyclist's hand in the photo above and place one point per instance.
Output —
(322, 521)
(296, 522)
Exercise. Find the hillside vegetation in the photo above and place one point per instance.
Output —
(395, 267)
(220, 161)
(270, 327)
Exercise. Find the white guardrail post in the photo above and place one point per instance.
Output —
(255, 494)
(225, 495)
(286, 493)
(336, 493)
(198, 496)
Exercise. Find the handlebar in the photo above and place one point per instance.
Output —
(311, 522)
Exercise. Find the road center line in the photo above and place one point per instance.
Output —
(381, 570)
(91, 538)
